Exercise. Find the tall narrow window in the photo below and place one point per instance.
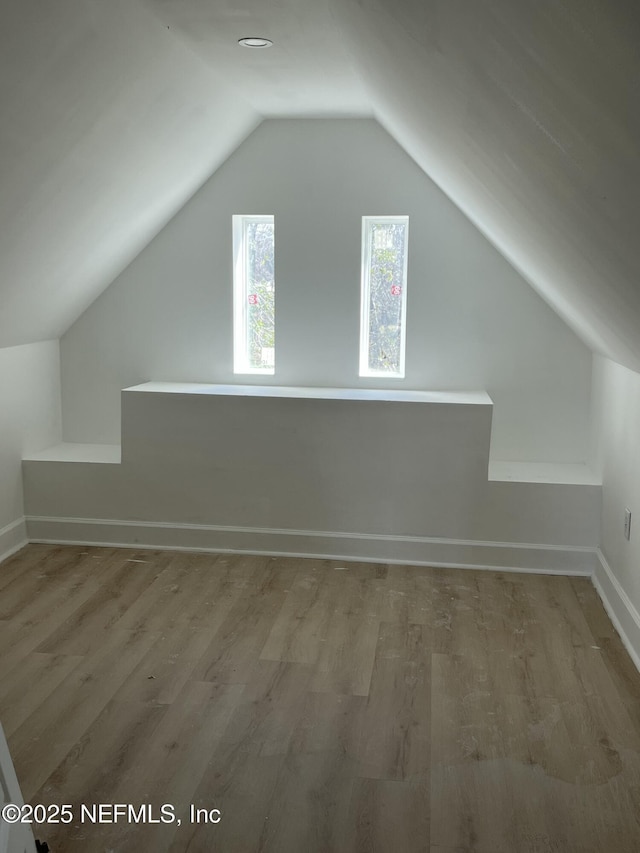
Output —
(384, 295)
(253, 294)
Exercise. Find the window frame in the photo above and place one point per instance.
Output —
(364, 371)
(241, 359)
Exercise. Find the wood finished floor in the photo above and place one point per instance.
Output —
(321, 706)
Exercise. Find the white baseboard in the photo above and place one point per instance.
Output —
(414, 550)
(619, 606)
(13, 537)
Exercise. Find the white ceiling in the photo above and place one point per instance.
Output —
(310, 70)
(109, 123)
(525, 113)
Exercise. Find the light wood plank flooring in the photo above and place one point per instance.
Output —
(321, 706)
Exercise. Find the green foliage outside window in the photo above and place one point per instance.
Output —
(386, 279)
(261, 293)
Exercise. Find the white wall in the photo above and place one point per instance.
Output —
(616, 456)
(473, 323)
(29, 420)
(365, 474)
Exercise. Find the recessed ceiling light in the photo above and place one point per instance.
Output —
(252, 41)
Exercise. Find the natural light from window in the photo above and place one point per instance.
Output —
(383, 295)
(254, 294)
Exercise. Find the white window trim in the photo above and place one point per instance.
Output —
(240, 221)
(367, 231)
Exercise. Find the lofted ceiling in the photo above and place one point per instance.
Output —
(310, 71)
(525, 112)
(109, 123)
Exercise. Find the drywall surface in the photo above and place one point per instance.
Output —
(617, 456)
(401, 479)
(29, 419)
(473, 323)
(109, 124)
(526, 115)
(310, 71)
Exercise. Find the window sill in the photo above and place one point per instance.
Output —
(108, 454)
(475, 398)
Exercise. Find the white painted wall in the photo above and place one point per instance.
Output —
(473, 323)
(401, 479)
(29, 421)
(617, 455)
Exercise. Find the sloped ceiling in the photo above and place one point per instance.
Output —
(525, 112)
(108, 124)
